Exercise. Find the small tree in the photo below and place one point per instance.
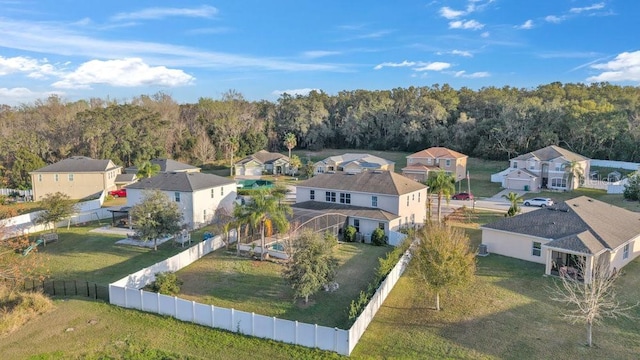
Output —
(443, 185)
(290, 142)
(147, 169)
(294, 164)
(312, 265)
(592, 299)
(443, 258)
(350, 233)
(166, 283)
(55, 208)
(632, 187)
(308, 169)
(573, 171)
(156, 217)
(378, 237)
(514, 199)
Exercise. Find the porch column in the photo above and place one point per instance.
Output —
(588, 275)
(547, 261)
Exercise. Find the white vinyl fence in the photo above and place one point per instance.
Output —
(127, 293)
(615, 164)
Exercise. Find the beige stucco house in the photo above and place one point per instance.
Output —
(545, 168)
(200, 196)
(262, 162)
(77, 177)
(562, 235)
(370, 199)
(434, 159)
(352, 163)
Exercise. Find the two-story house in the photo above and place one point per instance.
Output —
(434, 159)
(352, 163)
(262, 162)
(199, 195)
(78, 177)
(546, 168)
(370, 199)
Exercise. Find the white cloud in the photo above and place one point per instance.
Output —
(434, 66)
(578, 10)
(35, 69)
(526, 25)
(462, 53)
(314, 54)
(122, 73)
(203, 11)
(475, 75)
(302, 92)
(467, 25)
(485, 34)
(449, 13)
(15, 96)
(554, 19)
(392, 64)
(625, 67)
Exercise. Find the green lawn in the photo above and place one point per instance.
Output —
(222, 279)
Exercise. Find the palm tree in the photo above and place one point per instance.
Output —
(147, 169)
(514, 199)
(290, 142)
(443, 185)
(573, 170)
(264, 206)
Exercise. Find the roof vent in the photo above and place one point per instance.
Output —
(590, 200)
(575, 205)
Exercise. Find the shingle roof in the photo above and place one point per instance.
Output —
(348, 210)
(551, 152)
(125, 178)
(438, 153)
(366, 160)
(181, 181)
(376, 182)
(263, 157)
(576, 224)
(166, 165)
(421, 167)
(78, 164)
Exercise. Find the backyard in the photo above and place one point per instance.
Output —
(223, 279)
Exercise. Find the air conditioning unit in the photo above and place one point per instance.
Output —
(482, 250)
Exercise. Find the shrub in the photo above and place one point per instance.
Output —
(350, 233)
(330, 239)
(167, 283)
(378, 238)
(632, 188)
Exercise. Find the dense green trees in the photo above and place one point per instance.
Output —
(597, 120)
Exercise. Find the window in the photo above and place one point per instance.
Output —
(330, 196)
(374, 201)
(204, 214)
(407, 200)
(39, 177)
(222, 191)
(356, 224)
(532, 165)
(418, 197)
(559, 182)
(381, 226)
(212, 193)
(413, 219)
(447, 163)
(537, 248)
(312, 194)
(625, 252)
(70, 177)
(176, 196)
(345, 198)
(413, 197)
(55, 177)
(558, 167)
(515, 164)
(429, 161)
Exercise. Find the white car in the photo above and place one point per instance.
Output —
(541, 202)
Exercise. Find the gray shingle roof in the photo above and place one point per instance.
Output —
(376, 182)
(166, 165)
(263, 157)
(551, 152)
(438, 153)
(576, 224)
(348, 210)
(78, 164)
(367, 160)
(181, 181)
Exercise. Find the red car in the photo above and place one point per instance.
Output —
(463, 196)
(118, 193)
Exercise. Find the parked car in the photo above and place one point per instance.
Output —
(541, 202)
(463, 196)
(118, 193)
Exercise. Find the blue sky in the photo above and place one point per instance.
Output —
(192, 49)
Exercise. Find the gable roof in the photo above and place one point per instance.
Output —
(438, 153)
(580, 224)
(181, 181)
(263, 157)
(78, 164)
(166, 165)
(348, 210)
(360, 159)
(551, 152)
(376, 182)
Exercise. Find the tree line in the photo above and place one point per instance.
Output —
(597, 120)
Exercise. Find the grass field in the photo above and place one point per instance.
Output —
(223, 279)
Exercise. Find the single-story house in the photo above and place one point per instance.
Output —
(352, 163)
(262, 162)
(564, 235)
(166, 166)
(200, 196)
(78, 177)
(370, 199)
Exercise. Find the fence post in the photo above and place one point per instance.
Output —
(213, 319)
(53, 284)
(75, 286)
(64, 287)
(88, 292)
(253, 323)
(193, 311)
(95, 287)
(295, 338)
(158, 301)
(141, 300)
(126, 303)
(232, 315)
(274, 327)
(315, 335)
(175, 307)
(335, 339)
